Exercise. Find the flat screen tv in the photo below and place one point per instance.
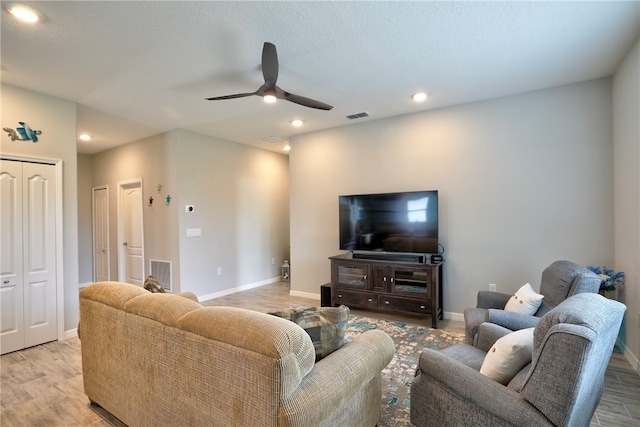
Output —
(405, 222)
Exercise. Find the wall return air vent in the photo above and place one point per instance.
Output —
(161, 270)
(357, 115)
(272, 140)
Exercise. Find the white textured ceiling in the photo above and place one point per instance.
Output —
(138, 68)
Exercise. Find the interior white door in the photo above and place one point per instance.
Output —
(28, 297)
(101, 262)
(11, 273)
(132, 234)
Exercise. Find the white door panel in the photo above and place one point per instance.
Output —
(11, 272)
(101, 234)
(11, 318)
(28, 296)
(131, 231)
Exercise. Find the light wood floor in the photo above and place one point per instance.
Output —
(42, 385)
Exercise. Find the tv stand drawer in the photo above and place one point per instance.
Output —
(355, 299)
(406, 305)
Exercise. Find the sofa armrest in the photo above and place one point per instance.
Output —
(468, 392)
(189, 295)
(488, 334)
(338, 376)
(490, 299)
(511, 320)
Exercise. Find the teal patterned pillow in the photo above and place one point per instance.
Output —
(152, 285)
(325, 325)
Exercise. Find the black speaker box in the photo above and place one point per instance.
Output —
(325, 295)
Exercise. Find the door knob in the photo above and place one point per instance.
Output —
(124, 244)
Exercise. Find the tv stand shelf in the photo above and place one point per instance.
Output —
(392, 284)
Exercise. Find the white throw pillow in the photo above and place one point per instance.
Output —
(525, 301)
(508, 356)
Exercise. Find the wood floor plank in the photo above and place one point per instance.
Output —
(42, 385)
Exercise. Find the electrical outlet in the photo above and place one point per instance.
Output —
(492, 287)
(219, 271)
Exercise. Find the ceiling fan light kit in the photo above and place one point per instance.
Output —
(269, 90)
(419, 97)
(23, 13)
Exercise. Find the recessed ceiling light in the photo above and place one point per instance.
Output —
(270, 99)
(297, 123)
(23, 13)
(419, 97)
(85, 137)
(286, 147)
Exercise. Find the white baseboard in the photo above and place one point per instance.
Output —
(632, 358)
(71, 333)
(238, 289)
(308, 295)
(84, 285)
(459, 317)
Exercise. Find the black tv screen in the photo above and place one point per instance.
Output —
(390, 222)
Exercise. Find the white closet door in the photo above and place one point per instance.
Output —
(39, 225)
(11, 277)
(28, 294)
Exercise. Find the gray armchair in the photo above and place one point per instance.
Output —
(560, 280)
(562, 385)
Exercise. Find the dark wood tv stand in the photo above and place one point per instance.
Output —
(392, 285)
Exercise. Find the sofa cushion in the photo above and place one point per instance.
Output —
(524, 301)
(161, 307)
(508, 356)
(325, 325)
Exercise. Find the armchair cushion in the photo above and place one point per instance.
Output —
(524, 301)
(511, 320)
(508, 356)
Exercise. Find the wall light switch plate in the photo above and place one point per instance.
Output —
(194, 232)
(492, 287)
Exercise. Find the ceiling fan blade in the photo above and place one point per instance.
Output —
(237, 95)
(269, 63)
(307, 102)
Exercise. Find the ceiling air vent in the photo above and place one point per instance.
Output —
(358, 115)
(272, 140)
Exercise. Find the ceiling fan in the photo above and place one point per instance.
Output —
(269, 90)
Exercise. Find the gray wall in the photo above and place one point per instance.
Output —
(241, 199)
(240, 196)
(57, 120)
(523, 181)
(152, 160)
(626, 131)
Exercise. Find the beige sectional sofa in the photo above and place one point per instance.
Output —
(154, 359)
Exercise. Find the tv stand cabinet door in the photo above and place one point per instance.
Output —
(350, 275)
(381, 278)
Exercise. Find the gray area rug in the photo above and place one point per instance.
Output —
(409, 340)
